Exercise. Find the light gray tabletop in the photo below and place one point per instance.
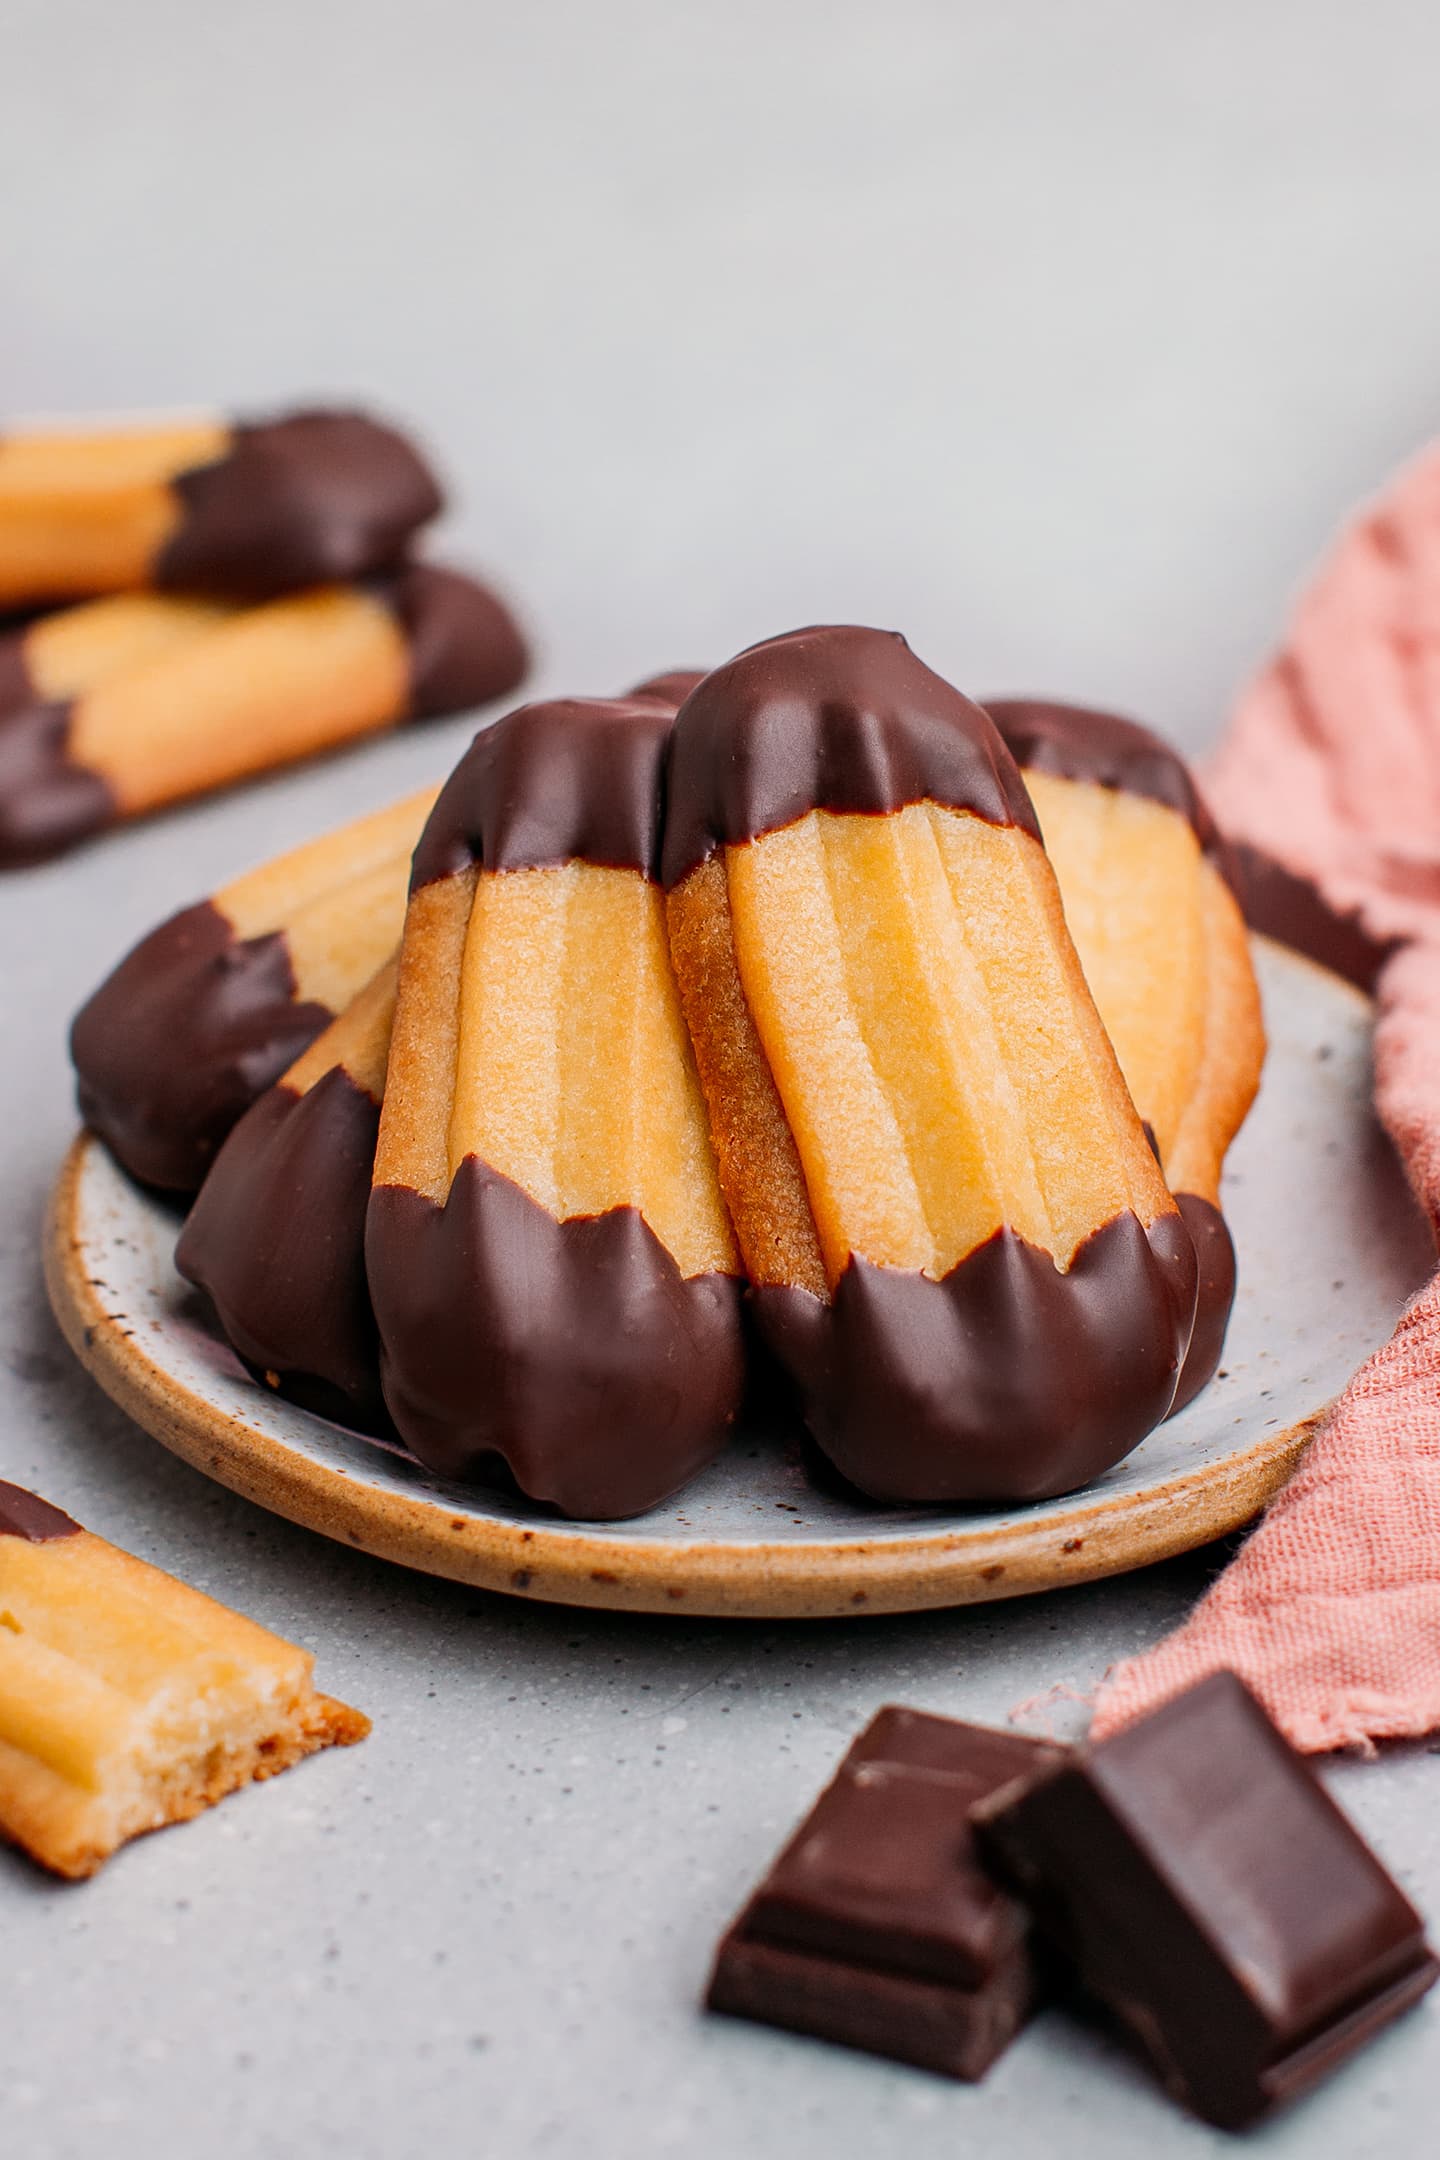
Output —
(1058, 337)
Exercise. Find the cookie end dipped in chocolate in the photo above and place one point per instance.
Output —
(837, 718)
(465, 646)
(312, 498)
(181, 1037)
(1005, 1379)
(561, 1342)
(1078, 742)
(276, 1240)
(25, 1515)
(602, 1380)
(47, 803)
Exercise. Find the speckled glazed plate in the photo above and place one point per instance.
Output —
(1330, 1245)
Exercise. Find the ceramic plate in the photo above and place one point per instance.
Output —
(1330, 1244)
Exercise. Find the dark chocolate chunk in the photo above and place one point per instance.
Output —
(575, 779)
(1073, 742)
(25, 1515)
(276, 1239)
(1287, 907)
(46, 802)
(841, 719)
(1005, 1380)
(309, 499)
(181, 1037)
(602, 1379)
(1207, 1888)
(877, 1926)
(465, 646)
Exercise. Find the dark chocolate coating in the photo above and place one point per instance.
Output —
(25, 1515)
(1283, 905)
(276, 1239)
(877, 1925)
(1214, 1296)
(574, 1353)
(840, 719)
(465, 646)
(16, 687)
(669, 689)
(181, 1037)
(1073, 742)
(46, 802)
(1005, 1380)
(572, 779)
(1196, 1872)
(310, 499)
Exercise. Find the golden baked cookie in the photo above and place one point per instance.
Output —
(208, 1010)
(548, 1253)
(1148, 892)
(171, 699)
(959, 1239)
(247, 509)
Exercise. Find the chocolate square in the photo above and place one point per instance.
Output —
(877, 1926)
(1208, 1889)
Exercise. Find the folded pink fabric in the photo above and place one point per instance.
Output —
(1331, 1610)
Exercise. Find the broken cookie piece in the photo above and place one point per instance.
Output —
(127, 1700)
(961, 1244)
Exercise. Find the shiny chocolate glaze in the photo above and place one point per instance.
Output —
(181, 1037)
(1073, 742)
(1215, 1255)
(572, 778)
(842, 719)
(308, 499)
(575, 1353)
(46, 802)
(276, 1240)
(16, 688)
(671, 688)
(465, 646)
(1005, 1380)
(25, 1515)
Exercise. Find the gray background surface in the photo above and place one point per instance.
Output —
(1058, 337)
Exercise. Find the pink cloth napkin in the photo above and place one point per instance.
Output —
(1331, 1610)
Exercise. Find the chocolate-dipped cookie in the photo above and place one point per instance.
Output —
(248, 690)
(549, 1257)
(959, 1239)
(208, 1011)
(129, 1701)
(246, 509)
(1147, 886)
(276, 1237)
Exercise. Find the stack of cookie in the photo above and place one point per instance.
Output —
(245, 598)
(753, 994)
